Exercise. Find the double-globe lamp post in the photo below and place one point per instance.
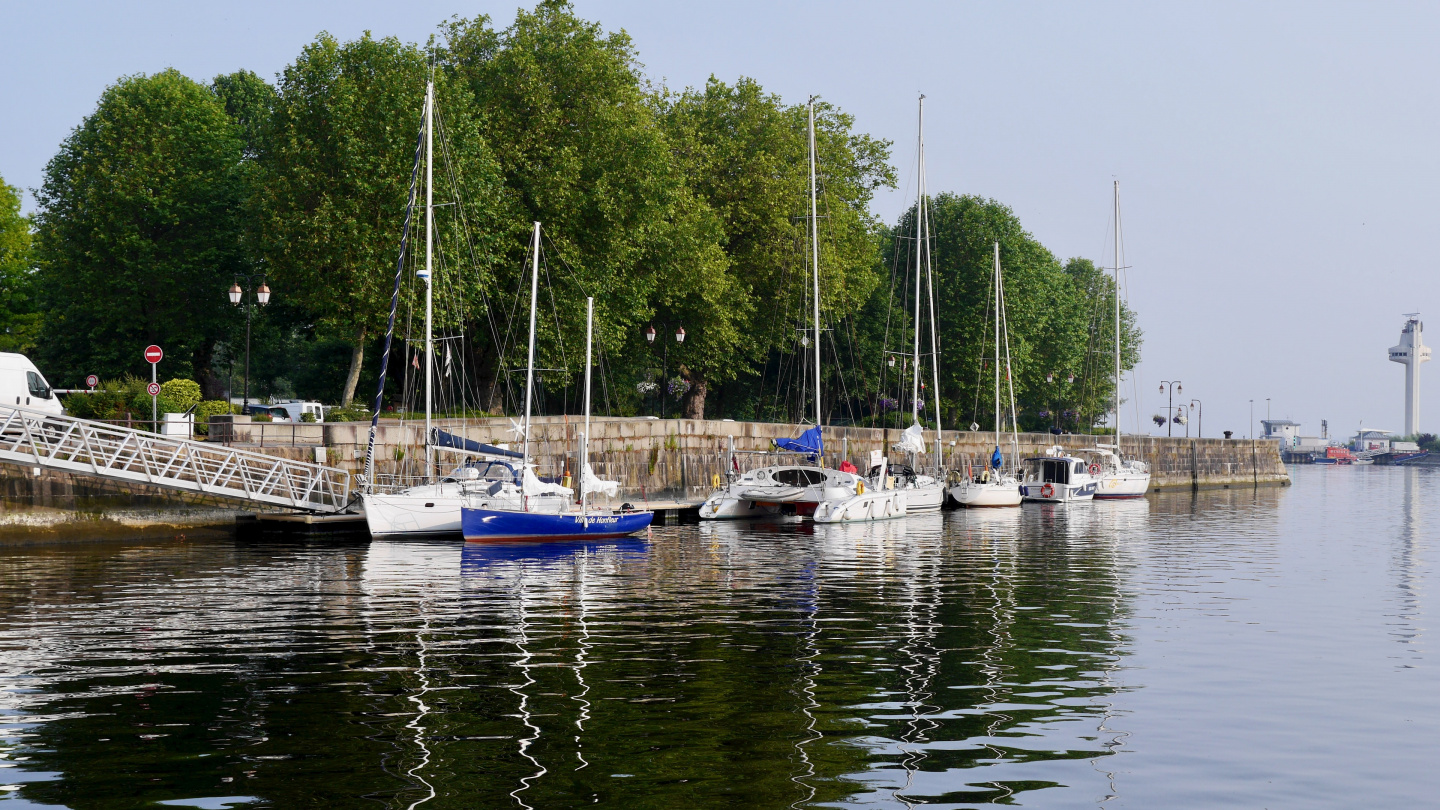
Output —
(1175, 387)
(664, 359)
(238, 296)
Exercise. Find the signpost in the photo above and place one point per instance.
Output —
(92, 381)
(153, 355)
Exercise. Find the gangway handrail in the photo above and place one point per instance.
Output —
(81, 446)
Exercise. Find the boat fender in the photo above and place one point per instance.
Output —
(1047, 491)
(1094, 469)
(859, 487)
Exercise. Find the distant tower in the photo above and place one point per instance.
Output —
(1411, 351)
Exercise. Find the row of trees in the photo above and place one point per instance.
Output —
(670, 208)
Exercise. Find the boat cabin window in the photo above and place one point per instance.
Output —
(1054, 471)
(37, 385)
(799, 477)
(1079, 467)
(497, 471)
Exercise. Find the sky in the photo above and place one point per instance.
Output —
(1277, 161)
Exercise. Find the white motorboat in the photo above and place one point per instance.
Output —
(1120, 477)
(1058, 478)
(990, 484)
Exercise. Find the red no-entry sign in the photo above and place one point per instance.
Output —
(154, 354)
(154, 389)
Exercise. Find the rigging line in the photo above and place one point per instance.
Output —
(464, 222)
(394, 302)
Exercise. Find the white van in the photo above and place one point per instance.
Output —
(21, 383)
(296, 409)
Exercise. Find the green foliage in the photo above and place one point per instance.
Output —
(746, 155)
(138, 231)
(209, 408)
(19, 321)
(686, 208)
(1057, 316)
(112, 399)
(177, 396)
(353, 413)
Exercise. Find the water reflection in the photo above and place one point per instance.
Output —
(977, 657)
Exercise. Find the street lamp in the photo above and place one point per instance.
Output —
(1175, 387)
(1195, 405)
(237, 297)
(650, 334)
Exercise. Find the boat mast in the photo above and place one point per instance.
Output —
(530, 362)
(585, 437)
(996, 293)
(1117, 317)
(919, 220)
(815, 262)
(930, 288)
(429, 285)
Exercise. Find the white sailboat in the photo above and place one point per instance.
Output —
(793, 488)
(1119, 477)
(924, 493)
(433, 507)
(990, 484)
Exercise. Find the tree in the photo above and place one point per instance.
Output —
(580, 149)
(336, 164)
(1057, 316)
(138, 232)
(745, 153)
(19, 322)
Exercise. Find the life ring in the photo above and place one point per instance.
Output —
(1094, 469)
(715, 480)
(860, 487)
(1047, 491)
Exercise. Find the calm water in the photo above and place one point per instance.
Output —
(1236, 648)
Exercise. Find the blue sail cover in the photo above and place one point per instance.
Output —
(810, 443)
(995, 458)
(441, 438)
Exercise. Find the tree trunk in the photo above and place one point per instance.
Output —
(695, 399)
(211, 387)
(352, 378)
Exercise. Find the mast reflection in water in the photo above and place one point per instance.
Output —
(1051, 656)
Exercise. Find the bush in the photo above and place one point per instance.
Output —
(207, 409)
(261, 417)
(354, 413)
(112, 399)
(307, 417)
(178, 396)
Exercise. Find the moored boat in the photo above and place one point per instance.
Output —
(1058, 478)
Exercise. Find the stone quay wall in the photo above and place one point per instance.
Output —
(682, 458)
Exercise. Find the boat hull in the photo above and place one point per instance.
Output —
(927, 496)
(872, 505)
(494, 525)
(973, 495)
(1123, 486)
(404, 514)
(1061, 493)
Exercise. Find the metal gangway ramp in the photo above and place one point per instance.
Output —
(64, 443)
